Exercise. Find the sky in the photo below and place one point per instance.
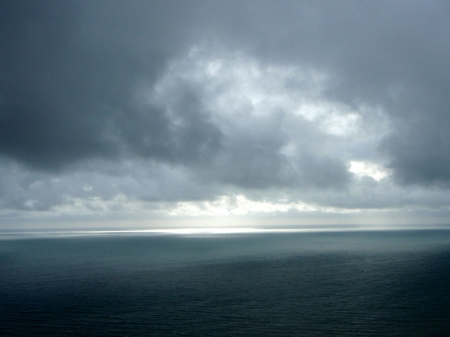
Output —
(225, 113)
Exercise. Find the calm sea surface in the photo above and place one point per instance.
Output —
(380, 283)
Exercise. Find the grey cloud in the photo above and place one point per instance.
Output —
(420, 153)
(323, 171)
(252, 155)
(180, 132)
(389, 54)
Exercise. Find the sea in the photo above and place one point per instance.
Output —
(255, 283)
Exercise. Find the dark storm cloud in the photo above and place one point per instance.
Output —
(151, 133)
(420, 152)
(48, 87)
(67, 94)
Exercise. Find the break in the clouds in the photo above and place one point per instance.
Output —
(185, 108)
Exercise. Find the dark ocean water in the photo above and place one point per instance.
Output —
(385, 283)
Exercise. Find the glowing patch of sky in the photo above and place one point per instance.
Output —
(361, 169)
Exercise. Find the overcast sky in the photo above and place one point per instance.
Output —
(148, 111)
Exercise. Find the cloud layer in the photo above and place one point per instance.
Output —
(169, 106)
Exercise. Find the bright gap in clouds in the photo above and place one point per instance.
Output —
(361, 169)
(237, 205)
